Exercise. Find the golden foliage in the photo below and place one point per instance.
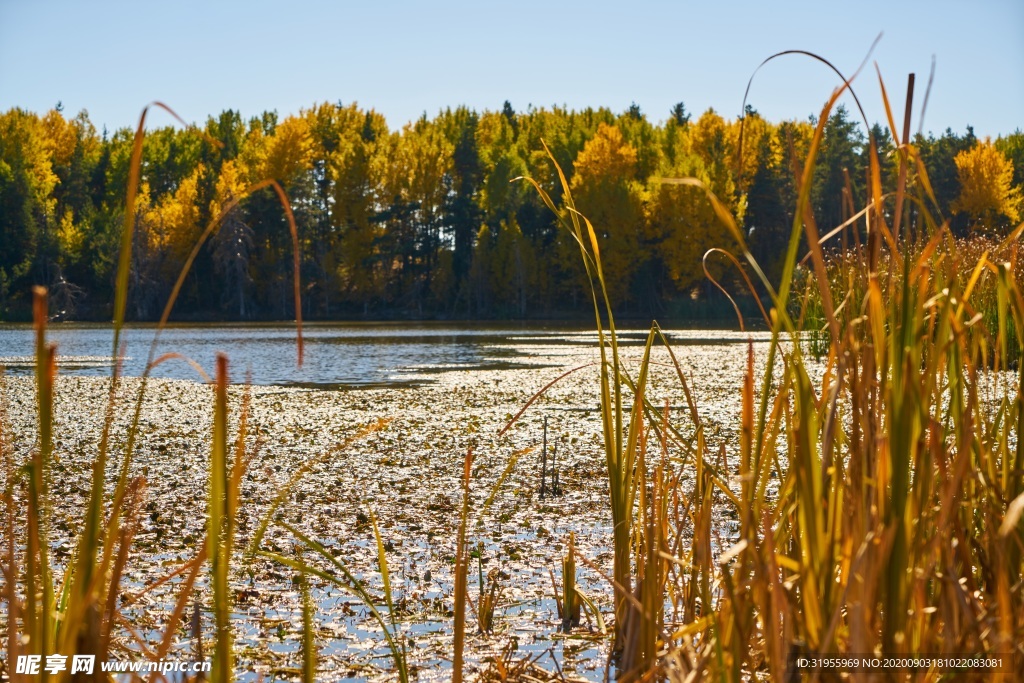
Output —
(60, 137)
(70, 235)
(174, 219)
(23, 141)
(283, 155)
(987, 193)
(680, 219)
(231, 182)
(607, 157)
(605, 183)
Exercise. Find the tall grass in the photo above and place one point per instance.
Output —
(621, 435)
(77, 612)
(896, 525)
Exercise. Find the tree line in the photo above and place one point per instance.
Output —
(426, 221)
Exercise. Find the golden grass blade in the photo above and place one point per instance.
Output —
(926, 183)
(460, 593)
(555, 594)
(888, 109)
(502, 477)
(878, 199)
(533, 399)
(746, 279)
(237, 470)
(816, 57)
(136, 492)
(1012, 518)
(177, 356)
(382, 565)
(301, 472)
(193, 567)
(592, 609)
(43, 626)
(927, 95)
(347, 582)
(901, 183)
(308, 631)
(570, 602)
(10, 565)
(217, 531)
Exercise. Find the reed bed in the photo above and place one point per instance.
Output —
(894, 528)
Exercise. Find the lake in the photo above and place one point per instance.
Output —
(337, 355)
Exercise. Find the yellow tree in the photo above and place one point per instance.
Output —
(987, 193)
(680, 218)
(714, 141)
(757, 134)
(166, 229)
(165, 232)
(60, 138)
(355, 190)
(288, 150)
(501, 162)
(74, 149)
(682, 224)
(280, 155)
(282, 152)
(174, 220)
(606, 191)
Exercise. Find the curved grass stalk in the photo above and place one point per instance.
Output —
(346, 581)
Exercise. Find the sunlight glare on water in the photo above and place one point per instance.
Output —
(336, 355)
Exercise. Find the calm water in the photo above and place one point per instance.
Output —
(337, 355)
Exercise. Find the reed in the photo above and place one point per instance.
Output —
(460, 593)
(487, 599)
(569, 607)
(896, 525)
(46, 614)
(621, 443)
(308, 631)
(78, 613)
(223, 501)
(339, 575)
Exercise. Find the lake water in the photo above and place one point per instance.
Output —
(337, 355)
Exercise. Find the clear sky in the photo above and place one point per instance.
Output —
(406, 58)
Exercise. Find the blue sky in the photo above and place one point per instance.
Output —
(406, 58)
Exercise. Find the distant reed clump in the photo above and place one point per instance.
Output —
(988, 307)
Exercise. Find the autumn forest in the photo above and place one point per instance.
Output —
(426, 222)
